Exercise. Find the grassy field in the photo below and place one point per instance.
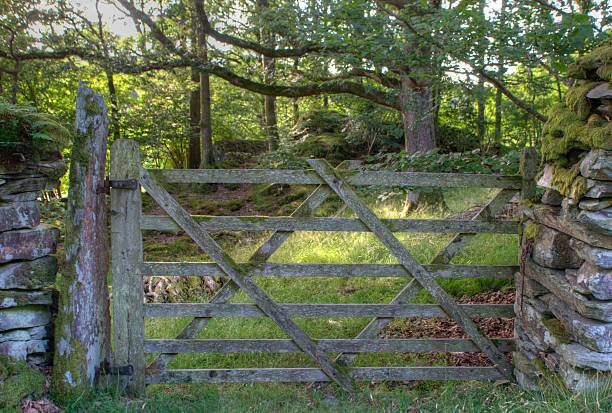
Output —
(382, 397)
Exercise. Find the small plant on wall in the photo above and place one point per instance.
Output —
(27, 134)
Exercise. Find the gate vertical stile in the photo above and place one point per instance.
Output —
(127, 257)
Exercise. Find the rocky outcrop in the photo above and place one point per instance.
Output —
(564, 305)
(27, 266)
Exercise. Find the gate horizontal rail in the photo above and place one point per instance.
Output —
(293, 375)
(129, 268)
(330, 345)
(362, 178)
(272, 269)
(324, 310)
(252, 223)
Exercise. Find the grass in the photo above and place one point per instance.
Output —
(313, 247)
(385, 397)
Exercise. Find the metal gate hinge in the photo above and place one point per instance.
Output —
(107, 370)
(123, 183)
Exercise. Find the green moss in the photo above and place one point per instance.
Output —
(279, 199)
(569, 182)
(69, 362)
(556, 329)
(18, 381)
(327, 145)
(576, 71)
(531, 230)
(600, 56)
(601, 137)
(596, 120)
(565, 131)
(605, 72)
(577, 101)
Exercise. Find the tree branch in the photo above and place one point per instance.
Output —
(330, 87)
(479, 71)
(324, 88)
(228, 39)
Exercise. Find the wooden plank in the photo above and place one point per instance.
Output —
(265, 251)
(363, 178)
(126, 249)
(426, 280)
(327, 345)
(188, 376)
(273, 269)
(255, 223)
(324, 310)
(460, 241)
(227, 264)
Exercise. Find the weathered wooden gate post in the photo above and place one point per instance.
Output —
(83, 323)
(529, 169)
(128, 294)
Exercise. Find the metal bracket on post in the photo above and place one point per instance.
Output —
(107, 370)
(123, 183)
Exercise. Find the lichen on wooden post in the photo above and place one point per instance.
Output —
(128, 294)
(83, 322)
(529, 169)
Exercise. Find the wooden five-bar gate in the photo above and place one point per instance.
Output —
(128, 269)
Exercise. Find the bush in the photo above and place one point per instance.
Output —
(317, 122)
(33, 134)
(459, 162)
(453, 139)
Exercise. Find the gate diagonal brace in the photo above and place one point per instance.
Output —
(268, 306)
(262, 254)
(427, 280)
(446, 254)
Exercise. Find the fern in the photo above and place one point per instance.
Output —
(24, 129)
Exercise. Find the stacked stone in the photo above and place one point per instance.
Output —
(564, 291)
(27, 266)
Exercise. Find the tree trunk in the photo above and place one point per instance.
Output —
(296, 104)
(112, 91)
(481, 126)
(14, 84)
(83, 323)
(206, 143)
(269, 73)
(193, 156)
(418, 109)
(497, 134)
(418, 115)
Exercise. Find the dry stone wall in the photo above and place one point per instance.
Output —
(27, 264)
(564, 291)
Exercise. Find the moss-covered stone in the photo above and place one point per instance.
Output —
(577, 101)
(593, 65)
(565, 131)
(574, 125)
(605, 72)
(18, 381)
(555, 328)
(569, 182)
(530, 230)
